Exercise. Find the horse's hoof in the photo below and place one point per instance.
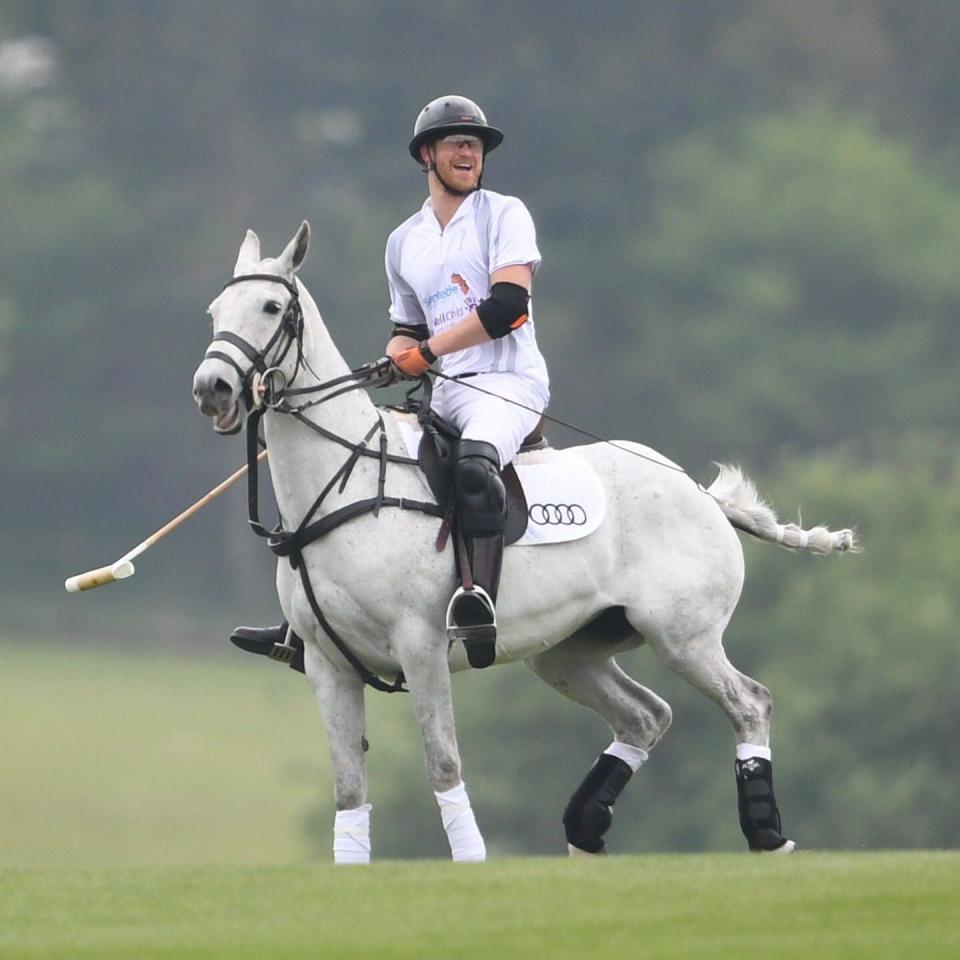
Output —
(577, 852)
(788, 846)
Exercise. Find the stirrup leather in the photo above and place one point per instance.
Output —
(472, 619)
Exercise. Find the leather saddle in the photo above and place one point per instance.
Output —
(435, 457)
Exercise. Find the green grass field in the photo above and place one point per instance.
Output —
(120, 757)
(873, 905)
(155, 804)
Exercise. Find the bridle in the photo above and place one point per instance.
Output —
(290, 326)
(273, 386)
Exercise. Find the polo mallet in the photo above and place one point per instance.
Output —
(123, 568)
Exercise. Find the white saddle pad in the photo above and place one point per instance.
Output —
(565, 499)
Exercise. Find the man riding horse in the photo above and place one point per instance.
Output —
(460, 272)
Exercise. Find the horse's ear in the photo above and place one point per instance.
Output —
(249, 254)
(296, 251)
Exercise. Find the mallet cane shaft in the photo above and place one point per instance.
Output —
(123, 568)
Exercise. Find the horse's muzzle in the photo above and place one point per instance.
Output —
(217, 398)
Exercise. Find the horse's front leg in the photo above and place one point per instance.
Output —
(428, 678)
(339, 694)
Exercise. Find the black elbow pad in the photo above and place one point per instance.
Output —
(504, 310)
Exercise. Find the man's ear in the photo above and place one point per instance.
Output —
(427, 155)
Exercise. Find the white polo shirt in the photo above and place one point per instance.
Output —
(437, 277)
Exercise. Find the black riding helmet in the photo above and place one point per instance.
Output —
(452, 114)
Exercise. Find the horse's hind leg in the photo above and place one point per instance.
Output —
(749, 706)
(582, 668)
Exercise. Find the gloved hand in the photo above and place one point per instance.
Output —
(415, 361)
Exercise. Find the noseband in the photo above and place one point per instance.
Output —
(291, 324)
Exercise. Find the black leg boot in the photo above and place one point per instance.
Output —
(481, 515)
(472, 614)
(590, 811)
(277, 643)
(759, 814)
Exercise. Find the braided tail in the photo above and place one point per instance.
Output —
(743, 507)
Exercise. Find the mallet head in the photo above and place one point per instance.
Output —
(97, 578)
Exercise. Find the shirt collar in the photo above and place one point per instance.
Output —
(465, 209)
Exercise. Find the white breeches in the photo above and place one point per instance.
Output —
(480, 416)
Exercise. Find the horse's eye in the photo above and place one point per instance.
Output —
(271, 306)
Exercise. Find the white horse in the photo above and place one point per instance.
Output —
(664, 569)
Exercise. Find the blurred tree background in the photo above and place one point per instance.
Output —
(749, 212)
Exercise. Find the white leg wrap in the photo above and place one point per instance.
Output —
(577, 852)
(351, 835)
(747, 750)
(466, 844)
(633, 757)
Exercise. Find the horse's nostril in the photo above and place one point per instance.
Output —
(211, 389)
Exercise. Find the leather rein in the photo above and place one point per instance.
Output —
(274, 384)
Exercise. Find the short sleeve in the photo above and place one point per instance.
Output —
(513, 237)
(404, 305)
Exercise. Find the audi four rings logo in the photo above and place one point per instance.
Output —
(557, 514)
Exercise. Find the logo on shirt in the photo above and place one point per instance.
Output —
(456, 311)
(457, 284)
(440, 295)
